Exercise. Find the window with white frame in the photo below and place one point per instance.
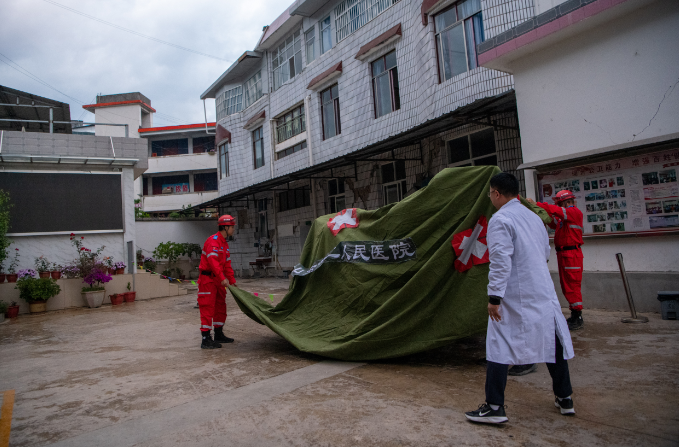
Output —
(458, 30)
(310, 42)
(394, 186)
(287, 59)
(253, 89)
(385, 84)
(326, 38)
(291, 150)
(230, 102)
(351, 15)
(224, 160)
(475, 149)
(336, 197)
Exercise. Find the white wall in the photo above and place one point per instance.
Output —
(543, 5)
(603, 87)
(152, 233)
(124, 114)
(151, 204)
(181, 163)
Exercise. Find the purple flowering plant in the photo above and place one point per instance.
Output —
(95, 279)
(26, 273)
(119, 265)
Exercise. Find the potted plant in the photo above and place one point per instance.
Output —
(36, 290)
(150, 264)
(42, 265)
(55, 271)
(11, 271)
(94, 294)
(119, 267)
(117, 298)
(12, 310)
(108, 262)
(130, 295)
(3, 309)
(2, 276)
(70, 271)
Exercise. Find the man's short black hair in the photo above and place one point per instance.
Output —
(222, 227)
(506, 184)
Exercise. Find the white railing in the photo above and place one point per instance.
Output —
(351, 15)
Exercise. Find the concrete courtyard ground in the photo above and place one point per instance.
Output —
(134, 375)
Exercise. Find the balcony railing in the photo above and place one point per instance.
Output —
(290, 128)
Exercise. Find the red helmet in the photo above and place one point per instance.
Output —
(563, 195)
(227, 220)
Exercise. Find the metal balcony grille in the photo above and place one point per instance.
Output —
(290, 128)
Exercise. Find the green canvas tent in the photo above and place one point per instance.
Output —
(368, 311)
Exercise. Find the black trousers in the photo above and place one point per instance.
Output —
(496, 378)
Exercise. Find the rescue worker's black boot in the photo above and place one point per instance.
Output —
(575, 322)
(220, 337)
(207, 342)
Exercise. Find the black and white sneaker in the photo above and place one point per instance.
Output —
(565, 405)
(487, 415)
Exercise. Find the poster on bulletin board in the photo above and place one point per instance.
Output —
(626, 195)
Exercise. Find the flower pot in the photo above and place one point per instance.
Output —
(120, 271)
(94, 299)
(55, 275)
(2, 277)
(117, 298)
(12, 277)
(2, 318)
(111, 271)
(37, 306)
(44, 274)
(12, 312)
(130, 296)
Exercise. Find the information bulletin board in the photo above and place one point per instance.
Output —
(626, 195)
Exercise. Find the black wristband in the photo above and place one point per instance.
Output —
(494, 300)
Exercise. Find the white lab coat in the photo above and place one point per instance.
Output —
(531, 315)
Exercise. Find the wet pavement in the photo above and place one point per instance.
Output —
(134, 375)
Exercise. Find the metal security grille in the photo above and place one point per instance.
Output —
(351, 15)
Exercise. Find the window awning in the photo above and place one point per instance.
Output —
(380, 41)
(324, 78)
(255, 120)
(63, 159)
(474, 113)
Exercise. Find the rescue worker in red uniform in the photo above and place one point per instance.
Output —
(215, 275)
(567, 240)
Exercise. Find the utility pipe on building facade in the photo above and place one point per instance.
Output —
(272, 132)
(307, 101)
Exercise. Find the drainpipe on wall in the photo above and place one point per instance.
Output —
(272, 129)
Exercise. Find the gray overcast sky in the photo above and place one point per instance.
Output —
(82, 57)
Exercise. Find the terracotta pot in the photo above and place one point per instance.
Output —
(12, 277)
(12, 312)
(111, 271)
(130, 296)
(117, 298)
(55, 275)
(44, 274)
(37, 306)
(2, 277)
(94, 299)
(120, 271)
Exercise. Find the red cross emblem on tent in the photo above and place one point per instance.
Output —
(470, 246)
(344, 219)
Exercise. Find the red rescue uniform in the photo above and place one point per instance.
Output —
(215, 266)
(567, 240)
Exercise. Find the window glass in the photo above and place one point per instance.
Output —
(458, 149)
(388, 173)
(203, 144)
(486, 161)
(230, 102)
(253, 89)
(391, 194)
(224, 160)
(385, 84)
(330, 112)
(291, 124)
(326, 39)
(332, 187)
(458, 31)
(310, 39)
(483, 143)
(170, 184)
(287, 59)
(294, 198)
(258, 148)
(400, 168)
(205, 182)
(169, 147)
(291, 150)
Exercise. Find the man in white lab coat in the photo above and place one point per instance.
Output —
(525, 323)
